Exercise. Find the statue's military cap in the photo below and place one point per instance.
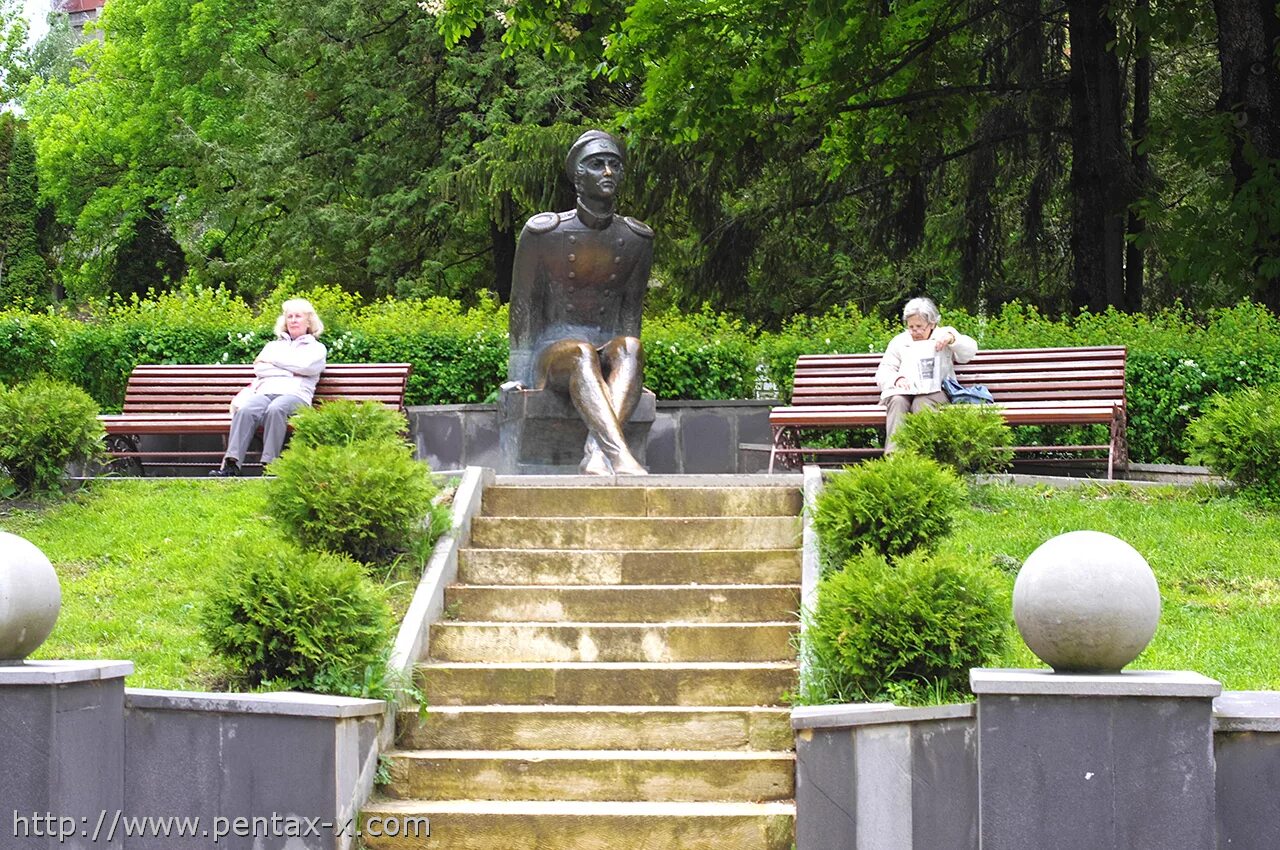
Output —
(592, 142)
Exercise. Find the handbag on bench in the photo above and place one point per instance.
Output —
(960, 394)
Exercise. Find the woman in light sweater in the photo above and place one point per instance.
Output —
(916, 363)
(286, 372)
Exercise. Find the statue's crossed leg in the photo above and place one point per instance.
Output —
(605, 386)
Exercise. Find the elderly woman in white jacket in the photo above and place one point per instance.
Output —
(286, 373)
(916, 363)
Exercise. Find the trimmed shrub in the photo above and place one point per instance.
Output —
(892, 506)
(1239, 438)
(458, 356)
(904, 630)
(44, 425)
(964, 437)
(286, 619)
(841, 330)
(368, 500)
(698, 355)
(343, 422)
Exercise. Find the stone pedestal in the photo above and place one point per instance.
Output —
(1108, 762)
(541, 433)
(62, 752)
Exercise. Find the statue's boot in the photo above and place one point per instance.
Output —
(593, 460)
(603, 457)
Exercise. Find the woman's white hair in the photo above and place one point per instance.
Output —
(921, 307)
(315, 327)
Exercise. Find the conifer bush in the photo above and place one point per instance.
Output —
(903, 630)
(1238, 437)
(287, 619)
(963, 437)
(44, 425)
(343, 422)
(368, 499)
(892, 506)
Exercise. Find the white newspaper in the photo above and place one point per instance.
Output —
(922, 367)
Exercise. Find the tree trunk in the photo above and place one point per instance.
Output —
(1134, 261)
(1248, 32)
(503, 239)
(1101, 178)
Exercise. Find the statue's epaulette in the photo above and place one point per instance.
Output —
(639, 226)
(543, 223)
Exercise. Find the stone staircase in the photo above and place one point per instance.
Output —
(609, 674)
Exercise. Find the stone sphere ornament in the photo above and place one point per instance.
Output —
(1086, 602)
(30, 598)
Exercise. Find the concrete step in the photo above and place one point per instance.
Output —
(605, 727)
(617, 533)
(641, 501)
(562, 566)
(590, 684)
(624, 603)
(563, 825)
(653, 642)
(627, 775)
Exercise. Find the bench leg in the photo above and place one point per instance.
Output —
(119, 443)
(1118, 455)
(783, 438)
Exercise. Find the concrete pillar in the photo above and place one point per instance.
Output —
(61, 753)
(1108, 762)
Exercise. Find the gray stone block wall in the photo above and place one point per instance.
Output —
(61, 753)
(287, 769)
(686, 436)
(882, 777)
(1246, 745)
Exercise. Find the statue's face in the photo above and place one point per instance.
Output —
(599, 176)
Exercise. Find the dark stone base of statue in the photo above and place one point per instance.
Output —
(541, 433)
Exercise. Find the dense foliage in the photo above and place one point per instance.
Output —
(903, 630)
(1061, 154)
(246, 141)
(1078, 154)
(44, 425)
(288, 619)
(892, 506)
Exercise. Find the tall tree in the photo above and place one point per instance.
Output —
(323, 141)
(1102, 184)
(1249, 52)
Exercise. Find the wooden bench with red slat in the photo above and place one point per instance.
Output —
(1031, 386)
(196, 399)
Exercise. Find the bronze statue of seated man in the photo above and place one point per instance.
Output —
(577, 290)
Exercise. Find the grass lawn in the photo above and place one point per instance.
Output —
(135, 558)
(1216, 559)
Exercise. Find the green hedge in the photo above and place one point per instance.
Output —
(1176, 362)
